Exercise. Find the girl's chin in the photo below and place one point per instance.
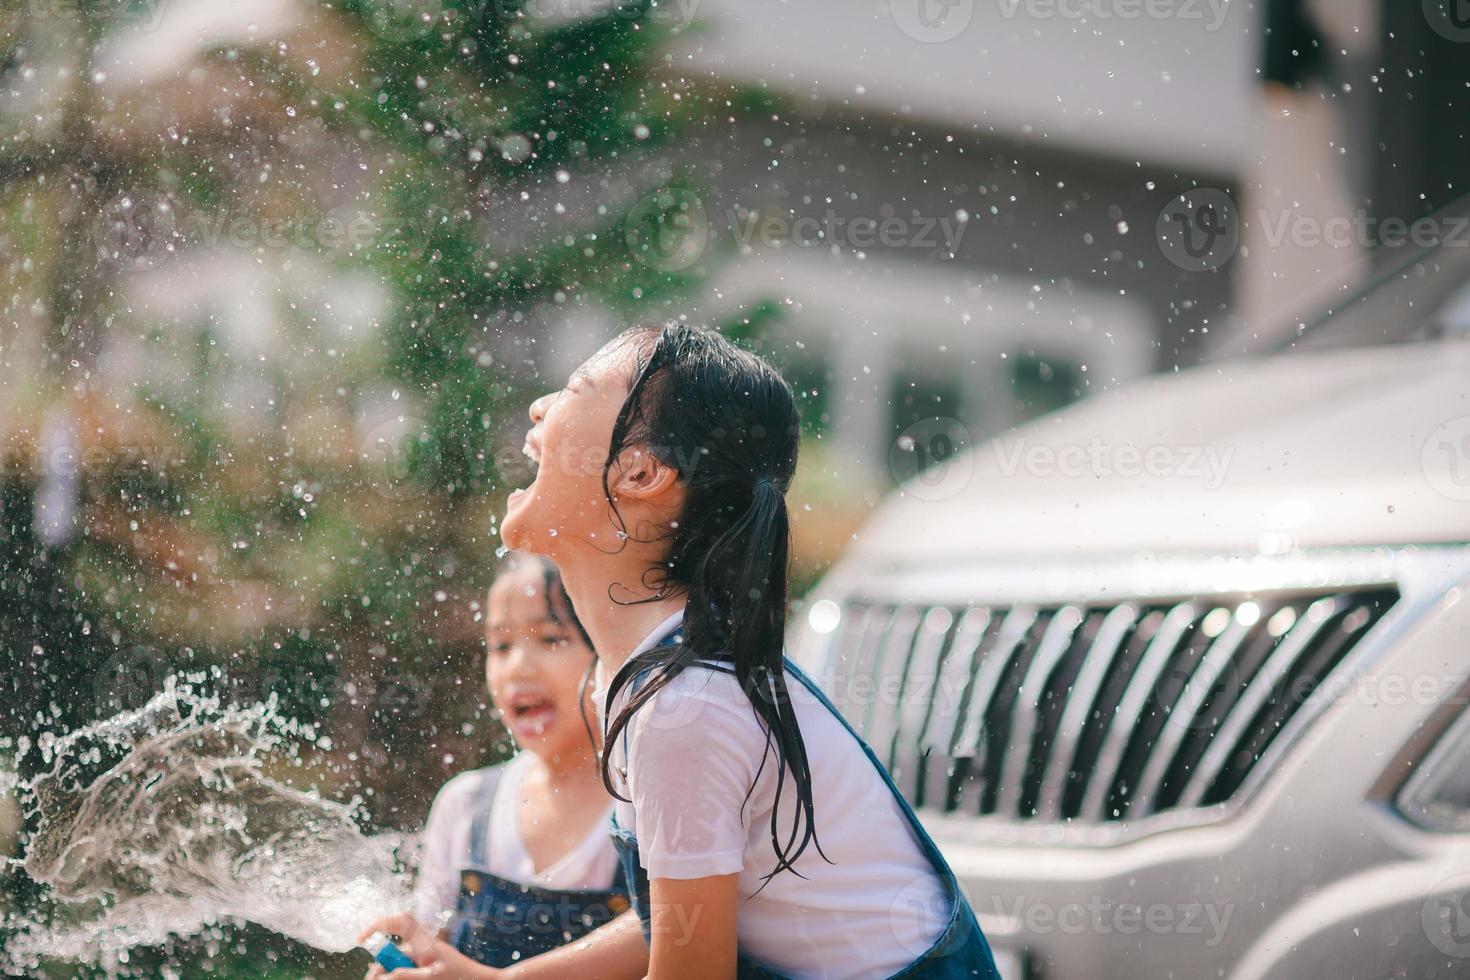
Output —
(552, 743)
(524, 529)
(513, 525)
(516, 501)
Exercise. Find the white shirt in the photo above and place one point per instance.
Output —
(592, 864)
(693, 753)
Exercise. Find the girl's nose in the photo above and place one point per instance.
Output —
(522, 662)
(539, 406)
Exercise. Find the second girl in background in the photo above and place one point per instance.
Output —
(517, 858)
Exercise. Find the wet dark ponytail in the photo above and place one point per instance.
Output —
(727, 422)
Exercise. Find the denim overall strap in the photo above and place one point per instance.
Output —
(961, 949)
(499, 922)
(480, 826)
(635, 879)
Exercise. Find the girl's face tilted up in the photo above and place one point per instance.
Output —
(565, 507)
(535, 662)
(568, 442)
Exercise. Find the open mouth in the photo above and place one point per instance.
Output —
(529, 714)
(532, 451)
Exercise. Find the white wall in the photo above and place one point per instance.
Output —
(870, 315)
(1178, 88)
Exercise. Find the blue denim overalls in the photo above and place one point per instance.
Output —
(960, 950)
(500, 922)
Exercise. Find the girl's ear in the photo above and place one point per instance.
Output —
(640, 475)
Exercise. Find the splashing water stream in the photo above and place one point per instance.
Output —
(159, 822)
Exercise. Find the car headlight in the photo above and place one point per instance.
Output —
(1437, 796)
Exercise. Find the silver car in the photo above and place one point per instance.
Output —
(1177, 677)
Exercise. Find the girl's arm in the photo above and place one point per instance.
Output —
(693, 927)
(445, 844)
(438, 878)
(615, 951)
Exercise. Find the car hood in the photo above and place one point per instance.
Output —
(1369, 446)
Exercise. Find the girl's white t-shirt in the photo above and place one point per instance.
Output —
(694, 752)
(592, 864)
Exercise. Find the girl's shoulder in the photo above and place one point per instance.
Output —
(706, 681)
(707, 698)
(463, 789)
(715, 683)
(701, 699)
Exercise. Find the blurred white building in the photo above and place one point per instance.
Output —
(1020, 153)
(1051, 141)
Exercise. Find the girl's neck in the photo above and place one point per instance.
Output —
(615, 627)
(571, 768)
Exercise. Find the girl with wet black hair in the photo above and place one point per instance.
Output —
(758, 834)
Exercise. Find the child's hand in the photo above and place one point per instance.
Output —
(435, 958)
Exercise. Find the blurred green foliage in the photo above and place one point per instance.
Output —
(177, 491)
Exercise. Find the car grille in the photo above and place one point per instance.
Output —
(1089, 713)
